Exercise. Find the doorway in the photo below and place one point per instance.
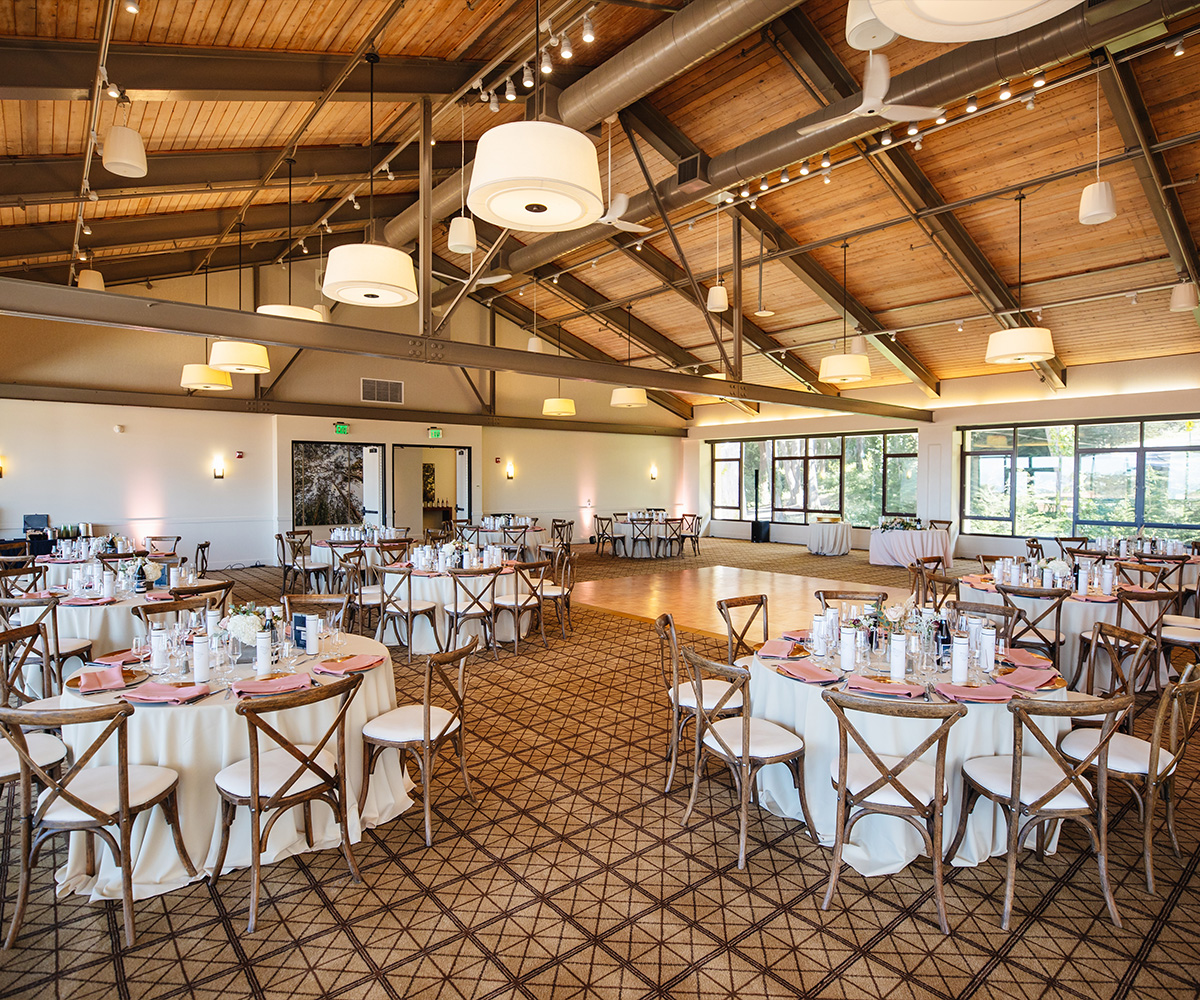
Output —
(431, 484)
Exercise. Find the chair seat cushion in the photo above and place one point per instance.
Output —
(1125, 753)
(43, 748)
(98, 786)
(418, 607)
(515, 600)
(1182, 636)
(554, 590)
(1038, 776)
(711, 690)
(371, 595)
(274, 768)
(1033, 640)
(918, 778)
(483, 607)
(1181, 621)
(766, 738)
(406, 724)
(68, 646)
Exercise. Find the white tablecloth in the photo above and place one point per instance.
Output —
(899, 548)
(58, 572)
(881, 845)
(321, 553)
(829, 538)
(625, 528)
(198, 741)
(440, 590)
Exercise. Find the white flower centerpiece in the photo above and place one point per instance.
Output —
(243, 622)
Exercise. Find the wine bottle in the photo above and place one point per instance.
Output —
(139, 578)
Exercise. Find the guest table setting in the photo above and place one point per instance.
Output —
(651, 523)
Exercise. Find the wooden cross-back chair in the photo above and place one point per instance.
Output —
(1138, 574)
(17, 581)
(1126, 656)
(1099, 556)
(286, 775)
(14, 550)
(938, 524)
(216, 592)
(420, 731)
(169, 612)
(827, 597)
(469, 604)
(469, 534)
(317, 604)
(671, 537)
(607, 535)
(1066, 542)
(1042, 628)
(1005, 616)
(641, 533)
(938, 590)
(1144, 613)
(512, 544)
(1034, 548)
(163, 545)
(559, 594)
(24, 648)
(988, 562)
(309, 575)
(529, 582)
(200, 560)
(737, 643)
(1172, 570)
(44, 612)
(397, 606)
(908, 788)
(691, 531)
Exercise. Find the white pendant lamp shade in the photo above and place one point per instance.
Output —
(955, 21)
(124, 153)
(534, 345)
(718, 299)
(462, 235)
(627, 397)
(536, 177)
(291, 312)
(240, 357)
(558, 406)
(1097, 204)
(864, 30)
(842, 369)
(1024, 345)
(205, 378)
(90, 279)
(858, 345)
(370, 274)
(1183, 297)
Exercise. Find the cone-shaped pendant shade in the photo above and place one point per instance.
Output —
(124, 153)
(534, 345)
(718, 299)
(238, 356)
(462, 235)
(204, 378)
(1097, 204)
(1183, 297)
(91, 279)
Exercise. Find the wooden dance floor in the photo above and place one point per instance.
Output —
(691, 596)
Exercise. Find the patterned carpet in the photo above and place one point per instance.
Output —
(573, 878)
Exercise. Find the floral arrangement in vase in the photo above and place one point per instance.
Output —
(900, 524)
(243, 622)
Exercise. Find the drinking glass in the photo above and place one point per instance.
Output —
(862, 649)
(233, 649)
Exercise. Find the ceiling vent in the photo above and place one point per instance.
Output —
(691, 173)
(378, 390)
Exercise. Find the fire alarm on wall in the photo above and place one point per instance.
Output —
(239, 454)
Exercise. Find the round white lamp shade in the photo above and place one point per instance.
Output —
(240, 357)
(955, 21)
(205, 378)
(124, 153)
(628, 397)
(291, 312)
(370, 274)
(842, 369)
(718, 299)
(1023, 345)
(1097, 204)
(1183, 297)
(91, 279)
(864, 30)
(462, 235)
(535, 177)
(558, 406)
(534, 345)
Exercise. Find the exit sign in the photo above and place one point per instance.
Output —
(435, 433)
(341, 428)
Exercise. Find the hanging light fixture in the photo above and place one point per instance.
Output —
(1022, 344)
(760, 311)
(202, 377)
(124, 152)
(1097, 204)
(536, 176)
(718, 297)
(628, 396)
(288, 310)
(371, 273)
(462, 228)
(240, 357)
(844, 368)
(552, 406)
(1183, 296)
(90, 279)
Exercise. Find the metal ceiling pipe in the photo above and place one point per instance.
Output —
(970, 68)
(667, 51)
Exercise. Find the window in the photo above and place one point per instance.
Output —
(727, 480)
(1072, 479)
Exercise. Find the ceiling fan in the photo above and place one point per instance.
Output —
(876, 80)
(618, 204)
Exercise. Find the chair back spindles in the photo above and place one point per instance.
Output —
(737, 643)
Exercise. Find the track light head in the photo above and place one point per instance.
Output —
(825, 174)
(1039, 80)
(387, 169)
(1029, 103)
(1178, 49)
(745, 190)
(1005, 91)
(133, 7)
(958, 323)
(564, 46)
(303, 247)
(510, 90)
(589, 32)
(917, 140)
(754, 202)
(940, 120)
(526, 77)
(886, 138)
(113, 90)
(825, 160)
(547, 65)
(784, 177)
(762, 184)
(972, 104)
(804, 169)
(912, 129)
(354, 202)
(87, 230)
(493, 102)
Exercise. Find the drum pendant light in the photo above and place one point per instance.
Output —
(236, 355)
(370, 274)
(202, 377)
(629, 396)
(279, 309)
(1097, 204)
(462, 237)
(844, 368)
(536, 176)
(1022, 344)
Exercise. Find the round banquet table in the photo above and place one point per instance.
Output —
(829, 538)
(199, 740)
(900, 548)
(495, 536)
(321, 553)
(58, 571)
(658, 530)
(439, 588)
(882, 845)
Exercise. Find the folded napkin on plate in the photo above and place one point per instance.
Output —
(989, 692)
(397, 565)
(116, 659)
(159, 595)
(796, 634)
(108, 679)
(1023, 658)
(802, 670)
(276, 685)
(1094, 598)
(355, 664)
(425, 572)
(87, 602)
(976, 577)
(857, 683)
(154, 692)
(40, 595)
(1028, 678)
(777, 649)
(1133, 588)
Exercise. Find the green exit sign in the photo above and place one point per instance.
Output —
(341, 428)
(435, 433)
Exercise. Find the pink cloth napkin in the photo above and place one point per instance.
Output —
(116, 659)
(975, 578)
(398, 565)
(1028, 678)
(1133, 588)
(158, 595)
(976, 583)
(108, 679)
(989, 692)
(1024, 658)
(87, 602)
(1094, 598)
(355, 664)
(807, 672)
(426, 572)
(796, 634)
(154, 692)
(277, 685)
(40, 595)
(857, 683)
(776, 649)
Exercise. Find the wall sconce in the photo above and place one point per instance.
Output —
(218, 468)
(653, 471)
(508, 471)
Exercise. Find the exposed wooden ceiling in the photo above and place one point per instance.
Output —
(904, 268)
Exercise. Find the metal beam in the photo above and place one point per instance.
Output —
(37, 70)
(73, 305)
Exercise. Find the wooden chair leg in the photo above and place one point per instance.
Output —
(170, 808)
(343, 815)
(255, 865)
(460, 746)
(228, 810)
(839, 841)
(369, 757)
(126, 861)
(308, 824)
(935, 854)
(26, 856)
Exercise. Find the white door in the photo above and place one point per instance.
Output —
(462, 483)
(373, 486)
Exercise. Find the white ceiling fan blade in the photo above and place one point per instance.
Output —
(616, 208)
(909, 112)
(630, 227)
(876, 78)
(809, 129)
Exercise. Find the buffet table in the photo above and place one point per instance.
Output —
(199, 740)
(901, 548)
(829, 538)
